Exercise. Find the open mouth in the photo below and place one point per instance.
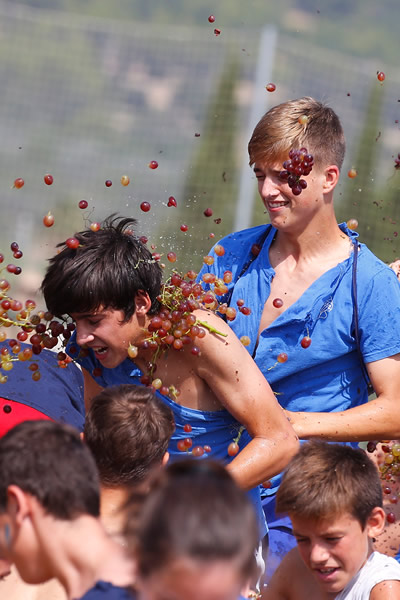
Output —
(326, 573)
(100, 350)
(276, 205)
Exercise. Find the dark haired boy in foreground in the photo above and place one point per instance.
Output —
(49, 514)
(333, 496)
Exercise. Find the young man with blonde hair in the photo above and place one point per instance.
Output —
(323, 307)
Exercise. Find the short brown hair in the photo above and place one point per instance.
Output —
(279, 131)
(128, 430)
(324, 480)
(196, 510)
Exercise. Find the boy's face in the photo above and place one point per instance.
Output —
(334, 550)
(107, 334)
(287, 211)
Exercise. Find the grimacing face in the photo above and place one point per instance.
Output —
(334, 550)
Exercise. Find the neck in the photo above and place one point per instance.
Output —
(81, 553)
(315, 240)
(113, 500)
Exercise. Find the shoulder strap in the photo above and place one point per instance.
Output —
(355, 312)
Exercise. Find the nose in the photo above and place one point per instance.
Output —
(83, 333)
(267, 188)
(318, 553)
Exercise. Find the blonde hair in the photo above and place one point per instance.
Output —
(304, 122)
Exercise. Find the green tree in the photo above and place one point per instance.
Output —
(211, 180)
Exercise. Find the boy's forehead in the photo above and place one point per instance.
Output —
(328, 524)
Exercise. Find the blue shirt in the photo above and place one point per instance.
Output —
(327, 376)
(58, 394)
(103, 590)
(216, 429)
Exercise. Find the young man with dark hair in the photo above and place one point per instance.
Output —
(109, 284)
(317, 296)
(333, 496)
(128, 430)
(49, 514)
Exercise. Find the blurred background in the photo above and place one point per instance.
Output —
(93, 90)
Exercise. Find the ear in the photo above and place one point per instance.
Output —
(18, 503)
(165, 459)
(82, 436)
(142, 303)
(332, 174)
(375, 522)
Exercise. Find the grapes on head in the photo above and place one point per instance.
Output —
(299, 165)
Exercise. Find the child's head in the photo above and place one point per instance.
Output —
(333, 496)
(108, 269)
(48, 479)
(296, 124)
(195, 535)
(128, 429)
(48, 461)
(326, 480)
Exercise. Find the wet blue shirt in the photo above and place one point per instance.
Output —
(327, 376)
(216, 429)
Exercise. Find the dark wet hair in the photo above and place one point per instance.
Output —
(108, 268)
(49, 461)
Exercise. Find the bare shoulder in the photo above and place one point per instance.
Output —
(291, 580)
(386, 590)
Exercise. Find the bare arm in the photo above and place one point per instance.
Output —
(375, 420)
(234, 378)
(386, 590)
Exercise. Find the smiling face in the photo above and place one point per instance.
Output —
(286, 210)
(198, 580)
(334, 550)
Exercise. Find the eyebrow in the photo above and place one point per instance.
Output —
(90, 315)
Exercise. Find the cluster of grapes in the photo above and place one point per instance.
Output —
(175, 326)
(41, 330)
(299, 163)
(390, 464)
(389, 469)
(397, 162)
